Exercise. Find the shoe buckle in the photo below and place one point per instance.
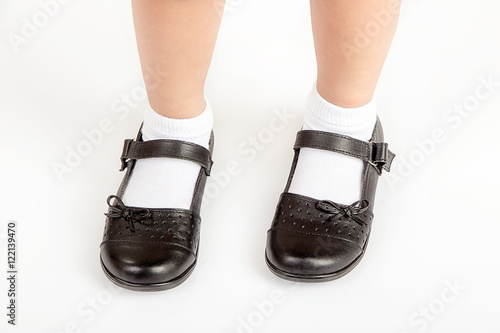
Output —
(378, 155)
(124, 158)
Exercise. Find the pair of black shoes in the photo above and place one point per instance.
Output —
(309, 240)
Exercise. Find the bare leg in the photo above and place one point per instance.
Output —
(352, 39)
(176, 38)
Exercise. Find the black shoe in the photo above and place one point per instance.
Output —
(149, 249)
(319, 240)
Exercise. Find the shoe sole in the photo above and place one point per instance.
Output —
(148, 286)
(316, 278)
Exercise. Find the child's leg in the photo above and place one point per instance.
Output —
(176, 40)
(348, 64)
(348, 70)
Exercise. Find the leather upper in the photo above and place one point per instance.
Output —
(159, 247)
(307, 239)
(151, 246)
(314, 237)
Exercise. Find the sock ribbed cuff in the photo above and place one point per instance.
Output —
(320, 109)
(194, 129)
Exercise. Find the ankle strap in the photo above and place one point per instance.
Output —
(376, 154)
(134, 150)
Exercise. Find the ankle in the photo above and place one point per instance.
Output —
(323, 115)
(178, 107)
(196, 129)
(344, 96)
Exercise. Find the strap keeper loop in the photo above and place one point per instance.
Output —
(124, 157)
(379, 152)
(208, 169)
(380, 156)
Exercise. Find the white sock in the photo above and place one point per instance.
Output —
(326, 175)
(168, 182)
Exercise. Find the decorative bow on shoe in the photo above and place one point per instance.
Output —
(336, 211)
(130, 215)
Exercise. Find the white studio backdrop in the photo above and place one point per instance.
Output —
(433, 260)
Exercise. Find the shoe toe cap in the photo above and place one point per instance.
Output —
(143, 263)
(309, 255)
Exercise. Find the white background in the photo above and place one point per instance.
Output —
(437, 224)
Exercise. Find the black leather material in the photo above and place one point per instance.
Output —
(134, 150)
(150, 249)
(319, 240)
(376, 153)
